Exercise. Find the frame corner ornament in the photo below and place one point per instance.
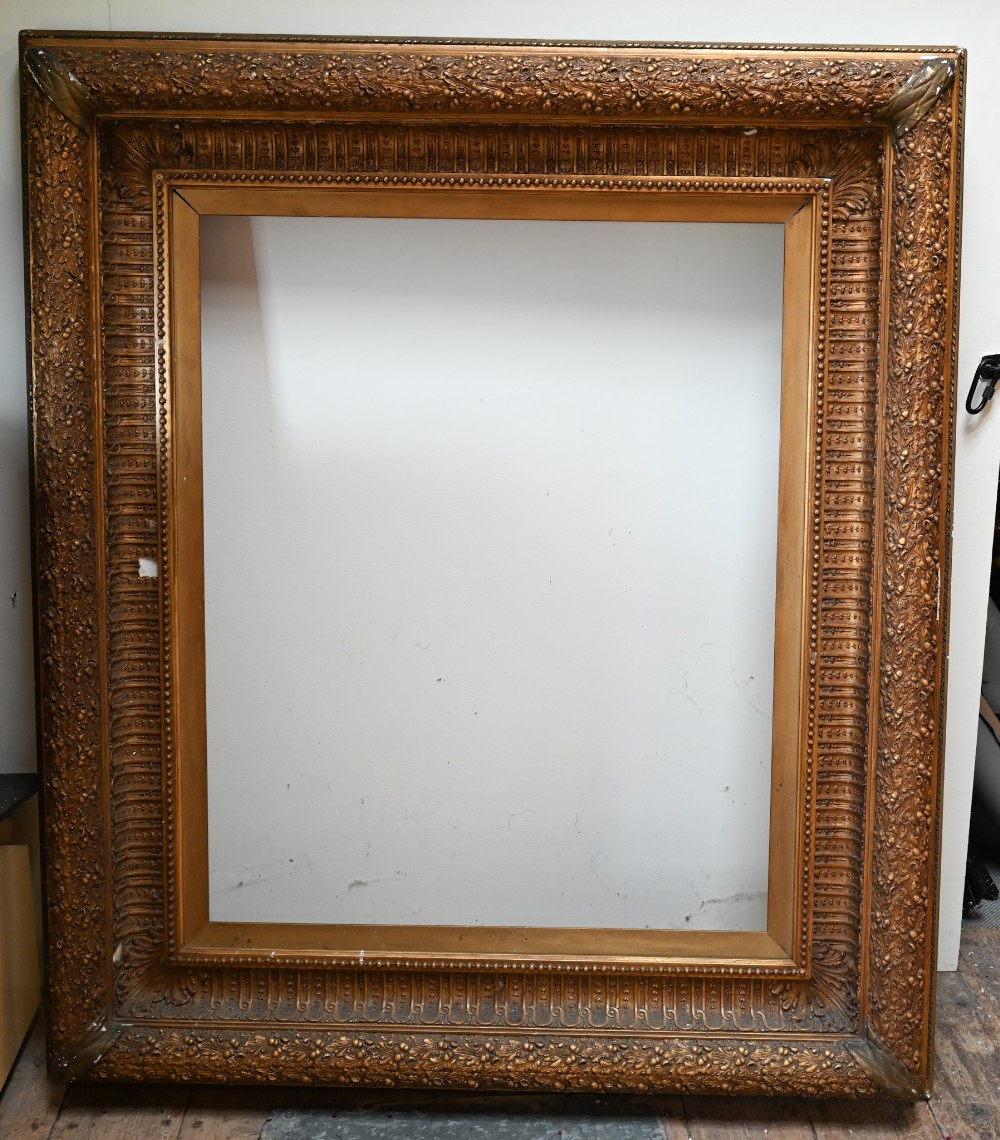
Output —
(59, 84)
(886, 1070)
(73, 1062)
(918, 94)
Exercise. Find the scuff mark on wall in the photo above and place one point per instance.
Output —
(354, 884)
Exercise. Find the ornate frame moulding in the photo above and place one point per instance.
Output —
(128, 140)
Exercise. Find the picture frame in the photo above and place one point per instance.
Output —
(128, 141)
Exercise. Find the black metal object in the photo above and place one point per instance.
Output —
(15, 789)
(988, 373)
(979, 885)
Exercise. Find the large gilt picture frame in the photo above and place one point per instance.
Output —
(129, 140)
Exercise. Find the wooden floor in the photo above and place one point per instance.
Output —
(965, 1104)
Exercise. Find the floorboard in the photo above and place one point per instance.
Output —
(237, 1113)
(121, 1112)
(874, 1120)
(30, 1104)
(749, 1118)
(966, 1101)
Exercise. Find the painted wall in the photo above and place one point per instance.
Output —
(490, 664)
(974, 24)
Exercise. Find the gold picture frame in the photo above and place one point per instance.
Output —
(128, 141)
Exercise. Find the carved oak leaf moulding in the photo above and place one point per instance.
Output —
(128, 141)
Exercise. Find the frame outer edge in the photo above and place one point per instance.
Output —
(29, 408)
(64, 508)
(606, 79)
(361, 1057)
(920, 402)
(47, 34)
(957, 95)
(71, 643)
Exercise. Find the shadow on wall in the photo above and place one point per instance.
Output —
(17, 668)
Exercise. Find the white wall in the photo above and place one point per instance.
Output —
(974, 24)
(490, 654)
